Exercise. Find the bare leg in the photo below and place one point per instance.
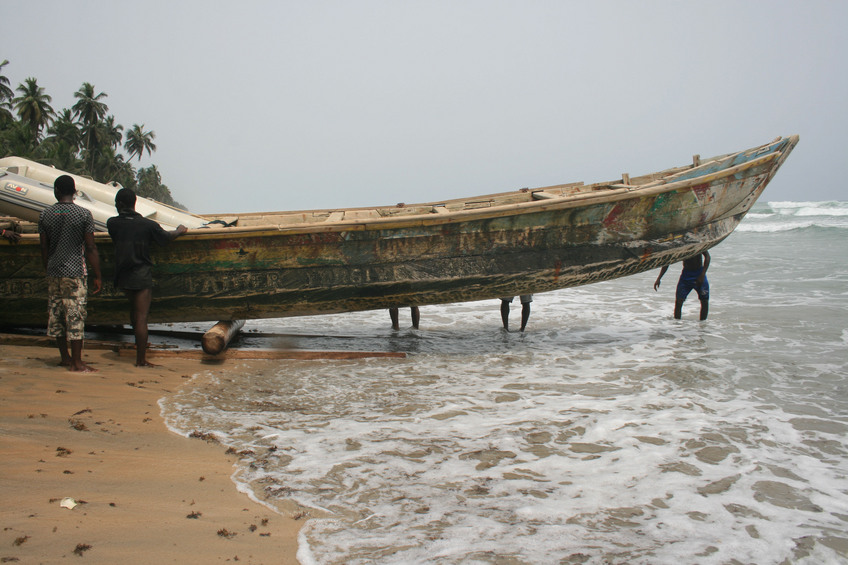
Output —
(393, 314)
(505, 314)
(62, 344)
(705, 309)
(416, 316)
(77, 364)
(525, 315)
(678, 309)
(139, 309)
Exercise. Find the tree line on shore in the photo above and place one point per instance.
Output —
(83, 139)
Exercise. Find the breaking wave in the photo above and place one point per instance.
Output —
(786, 215)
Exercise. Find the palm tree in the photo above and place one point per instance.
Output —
(149, 183)
(89, 109)
(102, 155)
(33, 107)
(62, 143)
(138, 141)
(150, 186)
(110, 166)
(64, 128)
(16, 139)
(6, 95)
(124, 173)
(108, 132)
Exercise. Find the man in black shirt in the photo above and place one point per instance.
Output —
(132, 234)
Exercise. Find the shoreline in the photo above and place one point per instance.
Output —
(141, 489)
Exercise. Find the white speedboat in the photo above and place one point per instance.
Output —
(26, 188)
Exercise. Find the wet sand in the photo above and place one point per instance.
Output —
(143, 493)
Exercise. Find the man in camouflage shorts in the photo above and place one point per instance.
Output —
(66, 307)
(67, 241)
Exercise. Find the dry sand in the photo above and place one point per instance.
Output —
(146, 495)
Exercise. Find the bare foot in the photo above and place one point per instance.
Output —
(82, 368)
(146, 364)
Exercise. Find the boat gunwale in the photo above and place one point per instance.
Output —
(557, 202)
(413, 220)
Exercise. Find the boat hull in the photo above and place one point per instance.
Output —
(533, 247)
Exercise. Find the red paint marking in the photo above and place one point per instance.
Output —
(612, 217)
(221, 244)
(700, 191)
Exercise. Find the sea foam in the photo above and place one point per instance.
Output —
(606, 433)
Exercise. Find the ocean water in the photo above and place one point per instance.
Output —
(608, 432)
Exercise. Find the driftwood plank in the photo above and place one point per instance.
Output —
(124, 349)
(265, 354)
(44, 341)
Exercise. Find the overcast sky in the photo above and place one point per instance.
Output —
(283, 105)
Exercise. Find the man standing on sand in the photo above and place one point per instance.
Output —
(132, 235)
(694, 276)
(66, 232)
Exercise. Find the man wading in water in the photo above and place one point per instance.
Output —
(694, 276)
(132, 234)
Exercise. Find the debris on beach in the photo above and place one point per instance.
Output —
(81, 548)
(78, 425)
(206, 436)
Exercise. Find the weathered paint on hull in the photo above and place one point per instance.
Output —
(269, 272)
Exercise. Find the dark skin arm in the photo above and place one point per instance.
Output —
(173, 234)
(703, 274)
(181, 229)
(659, 277)
(11, 235)
(93, 258)
(45, 249)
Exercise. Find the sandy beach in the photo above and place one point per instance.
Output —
(143, 494)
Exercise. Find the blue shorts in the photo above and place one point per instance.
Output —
(688, 281)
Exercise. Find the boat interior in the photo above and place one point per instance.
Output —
(402, 211)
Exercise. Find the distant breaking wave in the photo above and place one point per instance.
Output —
(784, 216)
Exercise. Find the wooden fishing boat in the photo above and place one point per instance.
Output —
(300, 263)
